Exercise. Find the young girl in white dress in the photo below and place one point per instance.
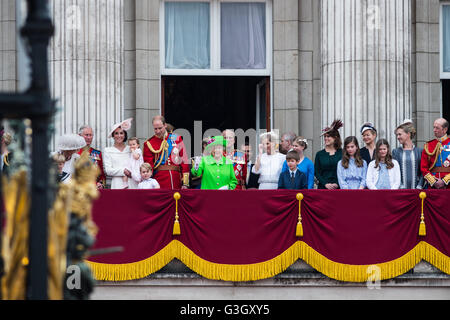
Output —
(384, 171)
(135, 162)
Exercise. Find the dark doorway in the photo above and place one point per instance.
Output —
(446, 99)
(220, 102)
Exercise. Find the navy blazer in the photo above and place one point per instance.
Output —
(300, 181)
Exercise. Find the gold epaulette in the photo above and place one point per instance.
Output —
(186, 179)
(430, 178)
(427, 151)
(446, 179)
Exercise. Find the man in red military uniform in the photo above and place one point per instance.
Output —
(238, 157)
(96, 155)
(435, 161)
(166, 154)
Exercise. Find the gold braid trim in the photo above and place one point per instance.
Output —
(272, 267)
(430, 154)
(164, 147)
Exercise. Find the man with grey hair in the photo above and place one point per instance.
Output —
(87, 133)
(435, 161)
(286, 142)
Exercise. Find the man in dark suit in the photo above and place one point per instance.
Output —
(294, 178)
(251, 181)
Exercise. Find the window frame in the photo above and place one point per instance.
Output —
(443, 75)
(215, 41)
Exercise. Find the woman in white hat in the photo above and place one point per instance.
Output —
(116, 158)
(369, 136)
(68, 146)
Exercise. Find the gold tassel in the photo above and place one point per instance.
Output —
(422, 229)
(176, 226)
(299, 229)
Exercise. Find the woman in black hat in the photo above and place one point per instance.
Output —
(325, 163)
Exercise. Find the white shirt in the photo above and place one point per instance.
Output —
(69, 167)
(149, 184)
(270, 170)
(115, 162)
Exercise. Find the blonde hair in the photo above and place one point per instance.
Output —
(7, 137)
(270, 136)
(408, 127)
(59, 158)
(301, 142)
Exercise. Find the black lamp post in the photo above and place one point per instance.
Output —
(36, 104)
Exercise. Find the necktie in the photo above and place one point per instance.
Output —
(292, 178)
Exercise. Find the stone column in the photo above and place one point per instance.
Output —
(8, 45)
(87, 66)
(366, 64)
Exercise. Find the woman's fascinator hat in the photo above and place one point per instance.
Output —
(125, 125)
(367, 126)
(335, 126)
(71, 142)
(406, 121)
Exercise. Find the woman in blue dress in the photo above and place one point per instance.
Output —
(305, 165)
(352, 169)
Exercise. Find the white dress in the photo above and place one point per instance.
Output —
(134, 166)
(270, 170)
(115, 162)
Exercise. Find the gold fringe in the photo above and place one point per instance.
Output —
(272, 267)
(133, 270)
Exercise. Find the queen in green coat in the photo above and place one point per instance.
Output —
(216, 170)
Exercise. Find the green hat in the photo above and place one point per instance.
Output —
(216, 141)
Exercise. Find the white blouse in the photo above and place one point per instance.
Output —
(373, 173)
(115, 162)
(69, 168)
(270, 170)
